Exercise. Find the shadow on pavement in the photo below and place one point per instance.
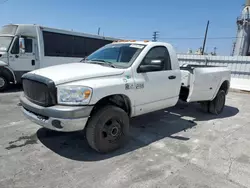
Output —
(13, 88)
(193, 110)
(144, 130)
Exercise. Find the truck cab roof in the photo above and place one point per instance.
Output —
(147, 44)
(143, 42)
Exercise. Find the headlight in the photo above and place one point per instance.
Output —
(73, 95)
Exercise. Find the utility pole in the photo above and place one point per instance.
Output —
(234, 44)
(215, 50)
(98, 31)
(205, 38)
(155, 35)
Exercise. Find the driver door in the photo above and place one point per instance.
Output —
(22, 62)
(157, 88)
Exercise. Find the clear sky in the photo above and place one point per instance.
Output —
(135, 19)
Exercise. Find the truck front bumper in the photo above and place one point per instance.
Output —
(58, 118)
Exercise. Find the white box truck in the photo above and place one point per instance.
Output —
(25, 47)
(116, 82)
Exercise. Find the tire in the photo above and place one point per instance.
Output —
(107, 130)
(204, 106)
(3, 83)
(217, 105)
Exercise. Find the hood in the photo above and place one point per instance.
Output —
(3, 55)
(76, 71)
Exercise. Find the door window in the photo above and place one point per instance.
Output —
(28, 45)
(15, 47)
(158, 53)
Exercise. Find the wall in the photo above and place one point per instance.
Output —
(239, 66)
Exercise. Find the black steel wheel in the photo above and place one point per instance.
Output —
(217, 105)
(107, 130)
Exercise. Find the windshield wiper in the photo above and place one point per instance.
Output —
(83, 60)
(102, 62)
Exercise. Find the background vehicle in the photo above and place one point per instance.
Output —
(118, 81)
(24, 48)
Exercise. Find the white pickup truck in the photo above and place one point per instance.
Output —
(118, 81)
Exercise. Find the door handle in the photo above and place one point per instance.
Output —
(33, 62)
(171, 77)
(16, 56)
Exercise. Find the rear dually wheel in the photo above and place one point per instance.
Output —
(217, 105)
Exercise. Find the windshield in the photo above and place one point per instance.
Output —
(5, 43)
(121, 55)
(8, 29)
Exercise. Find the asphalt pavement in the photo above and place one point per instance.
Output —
(179, 147)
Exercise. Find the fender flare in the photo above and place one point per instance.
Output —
(220, 85)
(6, 71)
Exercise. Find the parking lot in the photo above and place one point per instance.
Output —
(177, 147)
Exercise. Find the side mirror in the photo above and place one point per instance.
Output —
(155, 65)
(21, 45)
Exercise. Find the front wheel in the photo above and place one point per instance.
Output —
(217, 105)
(3, 83)
(107, 130)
